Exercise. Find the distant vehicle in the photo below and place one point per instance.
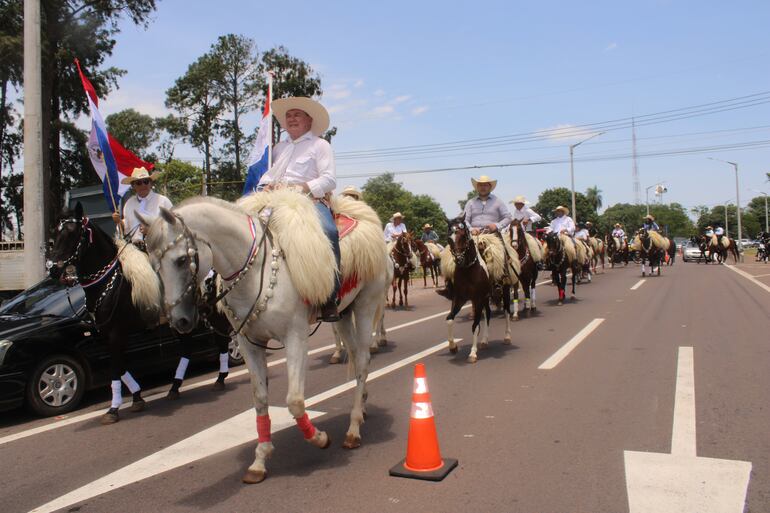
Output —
(744, 243)
(51, 353)
(692, 253)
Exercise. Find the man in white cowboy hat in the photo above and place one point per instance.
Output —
(394, 228)
(306, 161)
(619, 233)
(351, 192)
(428, 234)
(145, 201)
(486, 211)
(525, 215)
(563, 223)
(649, 224)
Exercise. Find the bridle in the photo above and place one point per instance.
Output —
(462, 258)
(559, 251)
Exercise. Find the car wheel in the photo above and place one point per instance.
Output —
(56, 386)
(234, 356)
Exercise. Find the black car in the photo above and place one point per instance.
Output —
(50, 352)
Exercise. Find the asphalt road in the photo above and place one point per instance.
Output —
(528, 439)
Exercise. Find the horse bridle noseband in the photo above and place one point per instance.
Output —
(460, 258)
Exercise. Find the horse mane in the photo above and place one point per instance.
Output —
(569, 248)
(145, 284)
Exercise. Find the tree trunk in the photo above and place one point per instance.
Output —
(236, 127)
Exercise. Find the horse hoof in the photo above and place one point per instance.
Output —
(218, 386)
(374, 349)
(351, 442)
(138, 405)
(382, 343)
(560, 303)
(507, 341)
(515, 318)
(453, 348)
(254, 476)
(172, 395)
(472, 358)
(109, 418)
(320, 440)
(334, 359)
(483, 345)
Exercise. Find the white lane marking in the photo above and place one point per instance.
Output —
(567, 348)
(760, 275)
(234, 431)
(56, 424)
(748, 277)
(681, 481)
(231, 433)
(638, 284)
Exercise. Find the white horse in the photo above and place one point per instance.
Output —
(379, 334)
(276, 265)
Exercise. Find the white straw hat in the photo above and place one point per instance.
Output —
(307, 105)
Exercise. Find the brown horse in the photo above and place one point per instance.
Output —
(597, 244)
(561, 260)
(428, 262)
(720, 250)
(527, 278)
(401, 254)
(470, 282)
(617, 250)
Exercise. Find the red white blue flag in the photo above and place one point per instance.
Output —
(259, 160)
(110, 159)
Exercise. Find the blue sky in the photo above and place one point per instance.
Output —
(415, 73)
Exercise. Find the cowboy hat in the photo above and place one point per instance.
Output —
(519, 199)
(352, 192)
(139, 173)
(397, 214)
(427, 225)
(307, 105)
(649, 216)
(562, 208)
(617, 225)
(484, 179)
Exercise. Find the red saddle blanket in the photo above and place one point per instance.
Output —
(345, 224)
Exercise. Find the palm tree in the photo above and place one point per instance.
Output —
(594, 197)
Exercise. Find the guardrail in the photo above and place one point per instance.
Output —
(14, 245)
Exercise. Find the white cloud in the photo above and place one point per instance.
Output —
(400, 99)
(610, 47)
(566, 133)
(419, 110)
(382, 110)
(379, 92)
(358, 83)
(338, 94)
(348, 105)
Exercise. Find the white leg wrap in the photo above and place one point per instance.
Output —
(223, 362)
(130, 382)
(515, 305)
(117, 398)
(181, 369)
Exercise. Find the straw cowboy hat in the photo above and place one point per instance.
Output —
(307, 105)
(563, 209)
(484, 179)
(428, 226)
(649, 216)
(520, 199)
(397, 214)
(140, 173)
(617, 225)
(352, 192)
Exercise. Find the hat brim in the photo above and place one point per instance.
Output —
(475, 182)
(562, 209)
(307, 105)
(131, 179)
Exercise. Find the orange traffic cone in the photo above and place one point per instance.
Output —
(423, 458)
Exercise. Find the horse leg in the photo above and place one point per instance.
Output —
(254, 356)
(296, 366)
(119, 373)
(394, 285)
(336, 356)
(223, 344)
(456, 305)
(181, 368)
(507, 309)
(401, 287)
(533, 292)
(478, 313)
(425, 276)
(382, 335)
(573, 283)
(513, 310)
(406, 293)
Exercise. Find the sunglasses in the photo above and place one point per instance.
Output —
(143, 181)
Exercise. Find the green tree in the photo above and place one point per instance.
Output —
(750, 223)
(628, 215)
(194, 96)
(551, 198)
(179, 180)
(672, 219)
(11, 53)
(471, 194)
(594, 197)
(757, 208)
(135, 131)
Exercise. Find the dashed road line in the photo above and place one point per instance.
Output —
(638, 284)
(567, 348)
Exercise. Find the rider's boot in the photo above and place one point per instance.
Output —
(447, 291)
(329, 312)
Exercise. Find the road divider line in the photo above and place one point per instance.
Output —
(567, 348)
(683, 432)
(638, 284)
(67, 421)
(235, 431)
(748, 277)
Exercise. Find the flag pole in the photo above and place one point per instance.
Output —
(270, 113)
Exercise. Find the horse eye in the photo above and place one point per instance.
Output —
(181, 261)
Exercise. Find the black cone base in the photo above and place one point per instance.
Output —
(434, 475)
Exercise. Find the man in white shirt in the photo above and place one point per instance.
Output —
(526, 216)
(562, 223)
(582, 233)
(145, 201)
(306, 161)
(394, 228)
(486, 211)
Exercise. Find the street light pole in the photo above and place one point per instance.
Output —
(737, 195)
(647, 195)
(572, 170)
(727, 231)
(767, 225)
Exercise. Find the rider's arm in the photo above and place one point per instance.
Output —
(534, 217)
(467, 211)
(327, 174)
(505, 216)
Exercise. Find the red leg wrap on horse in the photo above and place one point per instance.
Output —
(304, 425)
(263, 428)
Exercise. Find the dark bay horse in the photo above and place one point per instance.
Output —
(560, 262)
(401, 254)
(617, 250)
(470, 283)
(428, 262)
(527, 278)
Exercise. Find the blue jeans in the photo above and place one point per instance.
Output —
(330, 229)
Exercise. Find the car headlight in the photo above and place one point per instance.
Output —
(5, 345)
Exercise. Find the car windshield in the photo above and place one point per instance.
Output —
(48, 297)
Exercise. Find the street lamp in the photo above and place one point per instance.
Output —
(657, 191)
(727, 231)
(737, 195)
(572, 170)
(767, 228)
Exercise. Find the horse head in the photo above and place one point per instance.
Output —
(182, 265)
(71, 236)
(460, 242)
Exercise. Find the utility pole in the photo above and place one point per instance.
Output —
(635, 168)
(34, 234)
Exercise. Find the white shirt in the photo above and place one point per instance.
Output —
(719, 231)
(311, 161)
(709, 233)
(563, 223)
(582, 234)
(148, 207)
(526, 213)
(618, 232)
(391, 230)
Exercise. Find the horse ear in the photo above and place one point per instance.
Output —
(142, 219)
(167, 215)
(79, 210)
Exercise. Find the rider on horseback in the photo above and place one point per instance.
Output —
(709, 231)
(524, 214)
(563, 223)
(619, 233)
(145, 201)
(719, 232)
(306, 161)
(395, 227)
(649, 224)
(430, 235)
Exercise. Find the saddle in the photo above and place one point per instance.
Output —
(345, 224)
